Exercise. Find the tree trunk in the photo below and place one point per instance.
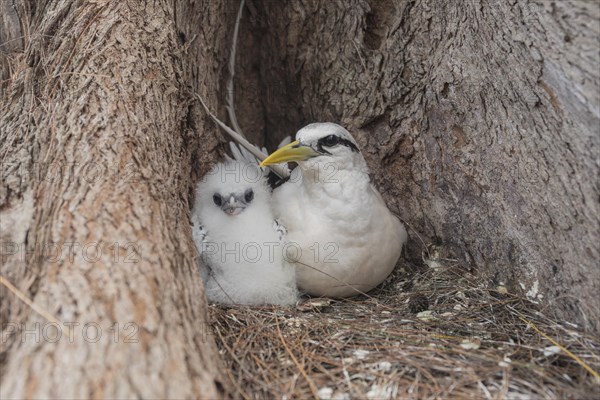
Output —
(98, 140)
(479, 120)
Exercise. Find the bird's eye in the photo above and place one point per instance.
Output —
(330, 140)
(249, 195)
(217, 199)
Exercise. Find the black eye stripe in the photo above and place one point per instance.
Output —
(329, 141)
(333, 140)
(349, 144)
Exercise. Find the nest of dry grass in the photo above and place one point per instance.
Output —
(433, 334)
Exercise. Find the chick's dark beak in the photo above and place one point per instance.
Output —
(233, 206)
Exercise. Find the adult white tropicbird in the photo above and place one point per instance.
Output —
(348, 240)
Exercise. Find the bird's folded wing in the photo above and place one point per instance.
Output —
(276, 174)
(243, 156)
(280, 229)
(200, 236)
(198, 232)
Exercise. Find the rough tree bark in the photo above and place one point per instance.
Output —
(480, 121)
(98, 140)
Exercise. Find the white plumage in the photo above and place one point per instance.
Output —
(349, 239)
(240, 243)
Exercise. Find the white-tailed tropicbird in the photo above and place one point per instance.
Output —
(348, 240)
(240, 243)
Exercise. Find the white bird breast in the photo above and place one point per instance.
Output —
(349, 240)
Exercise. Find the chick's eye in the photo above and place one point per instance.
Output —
(330, 140)
(217, 199)
(249, 195)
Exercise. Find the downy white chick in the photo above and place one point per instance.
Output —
(240, 242)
